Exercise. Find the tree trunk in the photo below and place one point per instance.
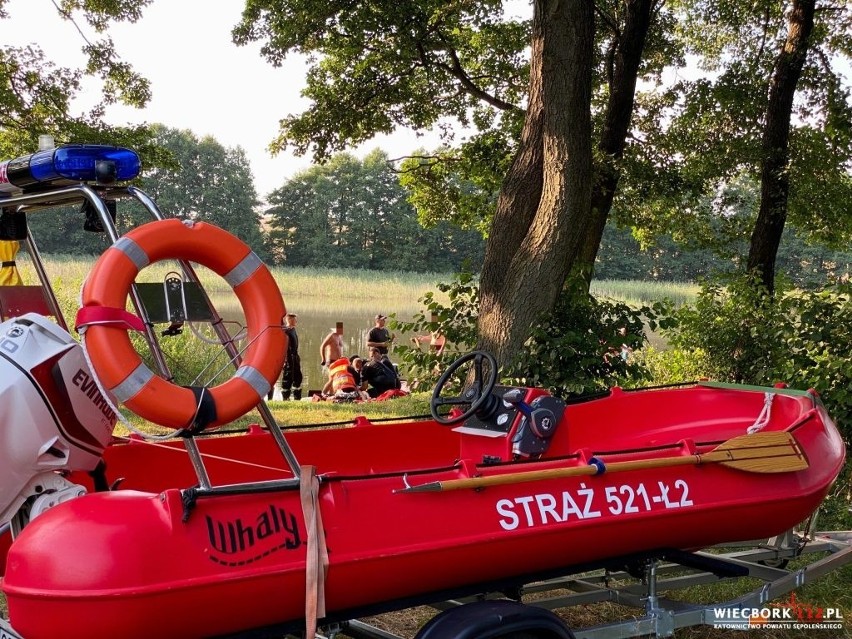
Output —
(774, 177)
(623, 72)
(521, 189)
(535, 240)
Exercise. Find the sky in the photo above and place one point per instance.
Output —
(199, 79)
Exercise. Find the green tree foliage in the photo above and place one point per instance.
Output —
(36, 95)
(351, 213)
(718, 130)
(206, 182)
(459, 185)
(121, 82)
(380, 65)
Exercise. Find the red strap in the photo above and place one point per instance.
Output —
(316, 561)
(117, 317)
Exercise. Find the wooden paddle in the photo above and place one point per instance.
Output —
(763, 452)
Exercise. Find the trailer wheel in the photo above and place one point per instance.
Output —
(495, 619)
(775, 563)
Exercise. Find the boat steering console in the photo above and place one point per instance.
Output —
(530, 416)
(480, 372)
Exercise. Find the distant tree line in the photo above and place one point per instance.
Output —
(348, 213)
(623, 257)
(353, 213)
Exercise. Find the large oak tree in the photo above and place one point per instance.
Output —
(542, 209)
(524, 86)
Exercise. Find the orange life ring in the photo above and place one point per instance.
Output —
(116, 361)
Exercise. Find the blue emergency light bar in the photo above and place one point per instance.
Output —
(69, 163)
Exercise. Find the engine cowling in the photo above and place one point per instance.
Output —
(54, 417)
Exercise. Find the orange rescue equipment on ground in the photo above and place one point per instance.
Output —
(341, 378)
(119, 366)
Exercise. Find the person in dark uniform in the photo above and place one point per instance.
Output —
(379, 336)
(291, 377)
(379, 373)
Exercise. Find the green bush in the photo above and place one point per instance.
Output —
(574, 349)
(584, 345)
(735, 332)
(672, 365)
(816, 350)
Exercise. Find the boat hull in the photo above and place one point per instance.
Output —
(138, 564)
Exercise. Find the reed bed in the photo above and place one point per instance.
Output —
(317, 288)
(312, 286)
(639, 292)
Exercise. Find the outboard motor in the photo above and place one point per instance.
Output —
(53, 419)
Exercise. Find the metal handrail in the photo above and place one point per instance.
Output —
(84, 193)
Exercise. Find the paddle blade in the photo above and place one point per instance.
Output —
(762, 452)
(431, 487)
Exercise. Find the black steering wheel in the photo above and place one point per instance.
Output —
(480, 382)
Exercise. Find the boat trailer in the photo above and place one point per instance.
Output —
(644, 587)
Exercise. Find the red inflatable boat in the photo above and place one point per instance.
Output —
(216, 534)
(407, 508)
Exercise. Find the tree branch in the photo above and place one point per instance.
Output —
(457, 71)
(67, 15)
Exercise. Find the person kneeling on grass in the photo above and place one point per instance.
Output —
(341, 385)
(379, 373)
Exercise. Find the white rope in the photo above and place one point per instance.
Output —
(214, 341)
(765, 414)
(183, 451)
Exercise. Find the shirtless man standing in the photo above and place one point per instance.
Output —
(331, 348)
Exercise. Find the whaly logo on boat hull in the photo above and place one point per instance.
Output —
(239, 542)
